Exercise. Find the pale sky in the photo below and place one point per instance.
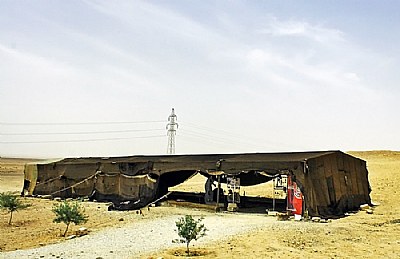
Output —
(243, 76)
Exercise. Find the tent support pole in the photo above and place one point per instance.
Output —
(273, 195)
(217, 208)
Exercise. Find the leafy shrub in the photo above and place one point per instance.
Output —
(190, 229)
(11, 202)
(69, 212)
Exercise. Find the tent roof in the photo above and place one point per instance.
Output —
(241, 157)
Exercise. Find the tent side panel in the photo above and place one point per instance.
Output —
(327, 186)
(80, 171)
(324, 194)
(344, 175)
(333, 185)
(352, 172)
(48, 172)
(120, 187)
(339, 182)
(324, 186)
(353, 180)
(107, 184)
(30, 178)
(49, 178)
(309, 189)
(83, 188)
(363, 171)
(339, 176)
(361, 179)
(352, 176)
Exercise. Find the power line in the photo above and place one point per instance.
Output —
(217, 133)
(76, 140)
(215, 139)
(227, 134)
(224, 137)
(76, 123)
(79, 132)
(214, 130)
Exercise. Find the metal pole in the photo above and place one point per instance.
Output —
(217, 208)
(273, 195)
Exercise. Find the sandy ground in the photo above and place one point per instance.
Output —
(358, 235)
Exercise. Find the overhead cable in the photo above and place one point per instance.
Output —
(79, 132)
(76, 123)
(77, 140)
(214, 139)
(228, 134)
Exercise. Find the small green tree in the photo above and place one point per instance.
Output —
(11, 202)
(69, 212)
(190, 229)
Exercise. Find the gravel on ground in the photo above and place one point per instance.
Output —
(139, 238)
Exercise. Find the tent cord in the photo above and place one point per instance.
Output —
(78, 183)
(50, 180)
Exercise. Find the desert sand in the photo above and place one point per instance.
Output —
(359, 235)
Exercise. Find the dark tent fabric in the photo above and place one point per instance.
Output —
(332, 182)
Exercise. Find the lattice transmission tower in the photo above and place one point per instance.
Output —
(172, 126)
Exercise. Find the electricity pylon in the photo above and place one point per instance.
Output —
(172, 126)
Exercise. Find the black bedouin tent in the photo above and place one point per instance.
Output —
(331, 182)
